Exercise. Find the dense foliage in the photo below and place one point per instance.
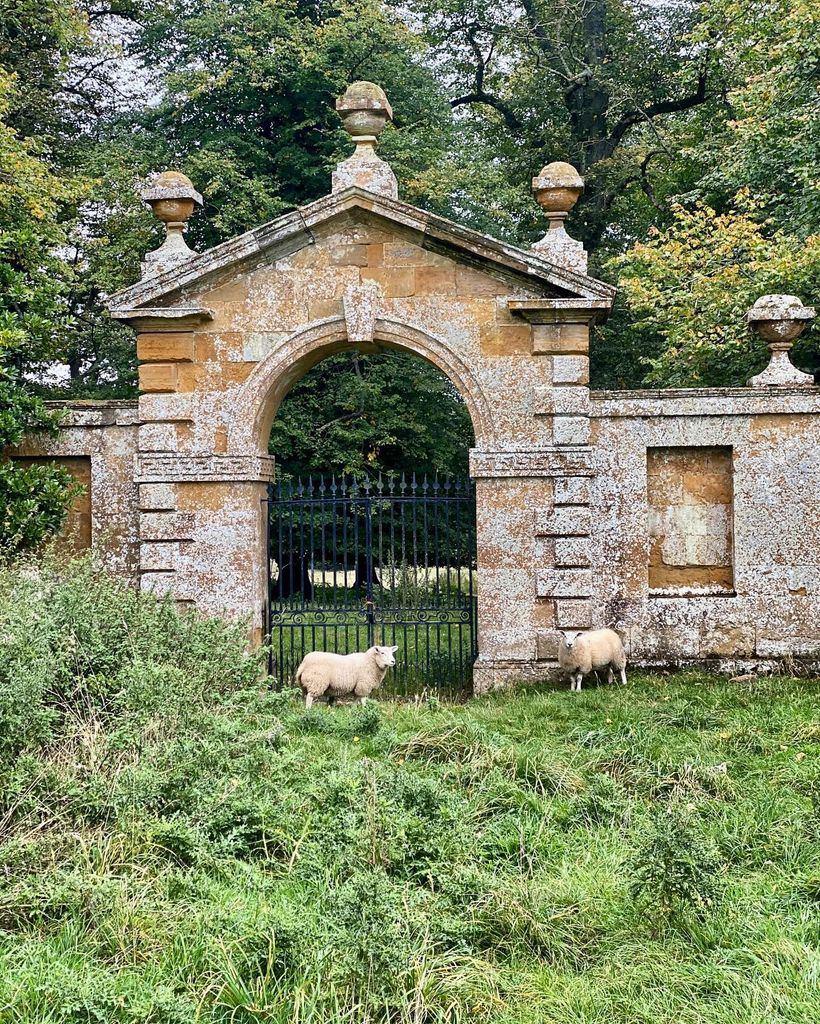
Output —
(389, 413)
(33, 281)
(179, 843)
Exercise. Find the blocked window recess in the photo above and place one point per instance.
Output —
(75, 535)
(691, 521)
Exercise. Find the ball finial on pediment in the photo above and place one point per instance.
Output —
(364, 110)
(557, 189)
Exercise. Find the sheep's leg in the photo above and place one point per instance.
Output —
(576, 682)
(362, 700)
(308, 701)
(610, 675)
(623, 676)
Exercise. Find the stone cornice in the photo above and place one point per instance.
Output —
(163, 318)
(693, 402)
(172, 468)
(564, 311)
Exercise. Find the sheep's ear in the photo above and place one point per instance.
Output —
(393, 649)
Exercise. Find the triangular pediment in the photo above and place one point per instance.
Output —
(294, 231)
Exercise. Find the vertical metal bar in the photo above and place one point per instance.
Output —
(368, 561)
(267, 506)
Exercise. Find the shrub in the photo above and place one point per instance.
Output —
(76, 642)
(675, 872)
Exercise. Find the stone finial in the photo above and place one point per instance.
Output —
(365, 111)
(557, 189)
(780, 320)
(172, 198)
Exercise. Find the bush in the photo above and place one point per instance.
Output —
(675, 872)
(76, 642)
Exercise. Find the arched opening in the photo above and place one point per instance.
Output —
(371, 518)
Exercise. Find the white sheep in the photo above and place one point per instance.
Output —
(322, 674)
(595, 650)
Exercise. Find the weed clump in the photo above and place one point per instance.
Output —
(676, 871)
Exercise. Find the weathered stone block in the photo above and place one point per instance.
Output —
(157, 437)
(160, 582)
(157, 497)
(159, 348)
(166, 526)
(573, 551)
(568, 521)
(570, 430)
(472, 282)
(562, 401)
(570, 369)
(395, 282)
(158, 556)
(350, 255)
(573, 614)
(504, 339)
(438, 280)
(563, 583)
(567, 339)
(194, 377)
(399, 253)
(546, 645)
(323, 309)
(572, 490)
(158, 377)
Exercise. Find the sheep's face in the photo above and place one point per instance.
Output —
(384, 656)
(569, 637)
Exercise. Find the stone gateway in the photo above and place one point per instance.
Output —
(691, 519)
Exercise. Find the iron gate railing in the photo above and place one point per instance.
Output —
(357, 562)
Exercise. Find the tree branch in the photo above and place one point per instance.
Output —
(633, 117)
(490, 100)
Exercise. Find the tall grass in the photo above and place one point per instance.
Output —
(179, 844)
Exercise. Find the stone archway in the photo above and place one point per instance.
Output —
(248, 429)
(224, 335)
(250, 425)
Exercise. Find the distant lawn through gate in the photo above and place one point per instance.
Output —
(353, 563)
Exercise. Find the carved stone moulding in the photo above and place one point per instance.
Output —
(168, 468)
(541, 462)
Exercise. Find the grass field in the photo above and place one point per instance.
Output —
(179, 844)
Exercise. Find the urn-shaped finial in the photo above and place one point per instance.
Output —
(780, 320)
(172, 198)
(365, 111)
(557, 189)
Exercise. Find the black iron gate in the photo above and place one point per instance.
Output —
(352, 563)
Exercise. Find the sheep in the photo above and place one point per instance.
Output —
(597, 649)
(335, 675)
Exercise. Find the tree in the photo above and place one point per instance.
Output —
(769, 140)
(384, 413)
(688, 289)
(597, 82)
(34, 500)
(748, 227)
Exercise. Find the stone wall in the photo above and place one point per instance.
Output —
(706, 522)
(98, 444)
(693, 522)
